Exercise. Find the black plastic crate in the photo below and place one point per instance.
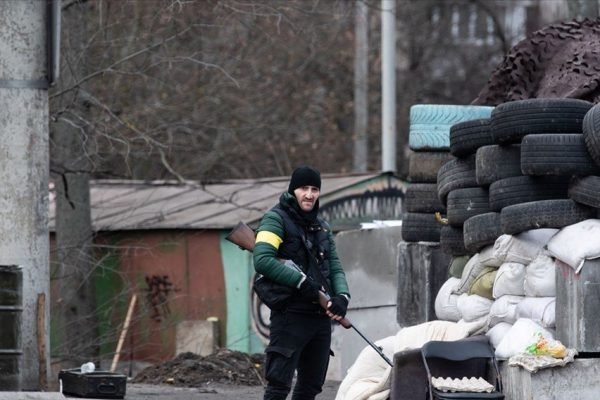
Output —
(97, 384)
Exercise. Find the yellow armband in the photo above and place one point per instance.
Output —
(269, 237)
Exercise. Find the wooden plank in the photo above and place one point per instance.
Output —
(41, 341)
(123, 332)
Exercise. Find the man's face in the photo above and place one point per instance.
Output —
(307, 197)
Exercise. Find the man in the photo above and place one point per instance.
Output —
(300, 334)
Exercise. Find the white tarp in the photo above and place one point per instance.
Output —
(369, 377)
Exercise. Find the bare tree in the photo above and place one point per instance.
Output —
(198, 96)
(213, 89)
(166, 89)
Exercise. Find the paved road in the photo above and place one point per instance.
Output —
(211, 392)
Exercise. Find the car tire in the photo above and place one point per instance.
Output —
(591, 133)
(543, 214)
(466, 137)
(430, 124)
(463, 204)
(586, 191)
(423, 166)
(511, 121)
(420, 227)
(452, 241)
(558, 154)
(524, 189)
(495, 162)
(456, 174)
(481, 230)
(423, 198)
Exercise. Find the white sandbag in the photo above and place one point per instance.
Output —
(539, 309)
(473, 307)
(470, 272)
(540, 277)
(576, 243)
(521, 335)
(504, 309)
(524, 247)
(487, 257)
(509, 280)
(445, 301)
(497, 333)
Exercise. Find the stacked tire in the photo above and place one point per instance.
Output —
(549, 133)
(514, 171)
(429, 143)
(585, 190)
(458, 188)
(539, 164)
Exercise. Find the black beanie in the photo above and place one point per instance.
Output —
(304, 176)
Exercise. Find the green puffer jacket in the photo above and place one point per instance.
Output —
(271, 234)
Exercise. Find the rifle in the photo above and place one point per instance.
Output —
(243, 236)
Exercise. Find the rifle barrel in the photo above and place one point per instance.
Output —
(374, 346)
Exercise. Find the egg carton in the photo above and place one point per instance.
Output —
(465, 384)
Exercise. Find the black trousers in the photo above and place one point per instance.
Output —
(297, 342)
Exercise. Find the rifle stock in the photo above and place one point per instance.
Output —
(243, 236)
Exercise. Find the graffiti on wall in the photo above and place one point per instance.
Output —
(159, 289)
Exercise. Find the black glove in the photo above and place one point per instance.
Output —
(339, 305)
(309, 290)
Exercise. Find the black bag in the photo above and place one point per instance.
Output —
(274, 295)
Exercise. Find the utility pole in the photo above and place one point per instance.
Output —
(388, 85)
(73, 245)
(361, 84)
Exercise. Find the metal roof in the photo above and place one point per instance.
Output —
(133, 205)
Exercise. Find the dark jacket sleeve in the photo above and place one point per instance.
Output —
(265, 252)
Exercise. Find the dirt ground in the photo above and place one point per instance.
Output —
(224, 375)
(193, 370)
(216, 391)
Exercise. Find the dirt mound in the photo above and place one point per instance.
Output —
(192, 370)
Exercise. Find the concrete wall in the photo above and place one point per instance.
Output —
(578, 379)
(24, 165)
(369, 258)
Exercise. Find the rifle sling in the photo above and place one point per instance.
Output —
(317, 265)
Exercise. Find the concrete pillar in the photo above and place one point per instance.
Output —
(577, 305)
(422, 270)
(24, 164)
